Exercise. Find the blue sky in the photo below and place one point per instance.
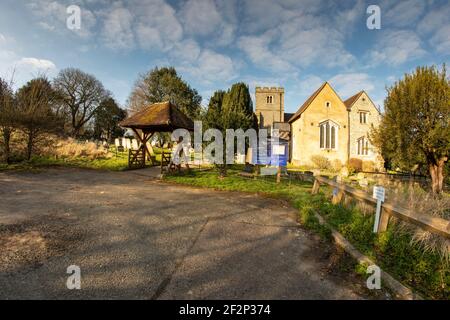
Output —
(296, 44)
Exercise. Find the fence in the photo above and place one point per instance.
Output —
(433, 224)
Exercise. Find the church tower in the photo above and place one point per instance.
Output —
(269, 106)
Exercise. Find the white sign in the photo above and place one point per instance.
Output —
(279, 150)
(378, 193)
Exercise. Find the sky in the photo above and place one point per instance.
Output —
(295, 44)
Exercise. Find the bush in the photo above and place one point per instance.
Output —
(70, 148)
(336, 164)
(320, 162)
(354, 165)
(368, 166)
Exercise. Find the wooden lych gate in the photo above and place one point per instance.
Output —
(158, 117)
(137, 158)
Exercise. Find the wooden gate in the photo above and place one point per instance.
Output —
(136, 158)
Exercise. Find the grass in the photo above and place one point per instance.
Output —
(113, 164)
(392, 250)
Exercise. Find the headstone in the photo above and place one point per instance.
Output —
(363, 182)
(344, 172)
(134, 144)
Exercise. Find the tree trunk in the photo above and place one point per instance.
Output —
(7, 141)
(30, 143)
(437, 175)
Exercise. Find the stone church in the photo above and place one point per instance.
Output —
(323, 125)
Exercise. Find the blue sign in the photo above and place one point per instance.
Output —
(273, 153)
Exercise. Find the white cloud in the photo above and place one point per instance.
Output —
(436, 27)
(441, 40)
(211, 67)
(200, 17)
(345, 20)
(257, 49)
(307, 40)
(396, 47)
(298, 42)
(402, 13)
(21, 70)
(186, 51)
(28, 68)
(348, 84)
(262, 15)
(52, 16)
(208, 18)
(157, 24)
(308, 84)
(117, 32)
(38, 64)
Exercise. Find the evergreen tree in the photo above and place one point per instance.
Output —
(230, 110)
(107, 118)
(415, 129)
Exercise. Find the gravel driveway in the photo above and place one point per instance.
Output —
(138, 238)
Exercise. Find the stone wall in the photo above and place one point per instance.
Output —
(268, 113)
(358, 129)
(306, 129)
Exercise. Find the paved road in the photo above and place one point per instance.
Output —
(137, 238)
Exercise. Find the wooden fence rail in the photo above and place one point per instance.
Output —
(433, 224)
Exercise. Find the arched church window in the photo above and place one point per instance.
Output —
(328, 135)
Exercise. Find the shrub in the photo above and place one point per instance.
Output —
(70, 148)
(368, 166)
(336, 164)
(354, 165)
(320, 162)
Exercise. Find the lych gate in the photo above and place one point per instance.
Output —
(158, 117)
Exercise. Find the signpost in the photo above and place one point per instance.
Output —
(378, 193)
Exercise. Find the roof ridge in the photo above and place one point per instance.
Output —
(351, 100)
(308, 102)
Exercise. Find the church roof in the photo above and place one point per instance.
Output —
(307, 103)
(350, 101)
(288, 116)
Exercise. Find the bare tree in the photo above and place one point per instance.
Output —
(36, 115)
(79, 96)
(8, 114)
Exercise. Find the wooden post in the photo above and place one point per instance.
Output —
(384, 220)
(162, 159)
(337, 198)
(279, 174)
(143, 140)
(316, 186)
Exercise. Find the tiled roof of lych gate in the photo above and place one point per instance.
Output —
(163, 116)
